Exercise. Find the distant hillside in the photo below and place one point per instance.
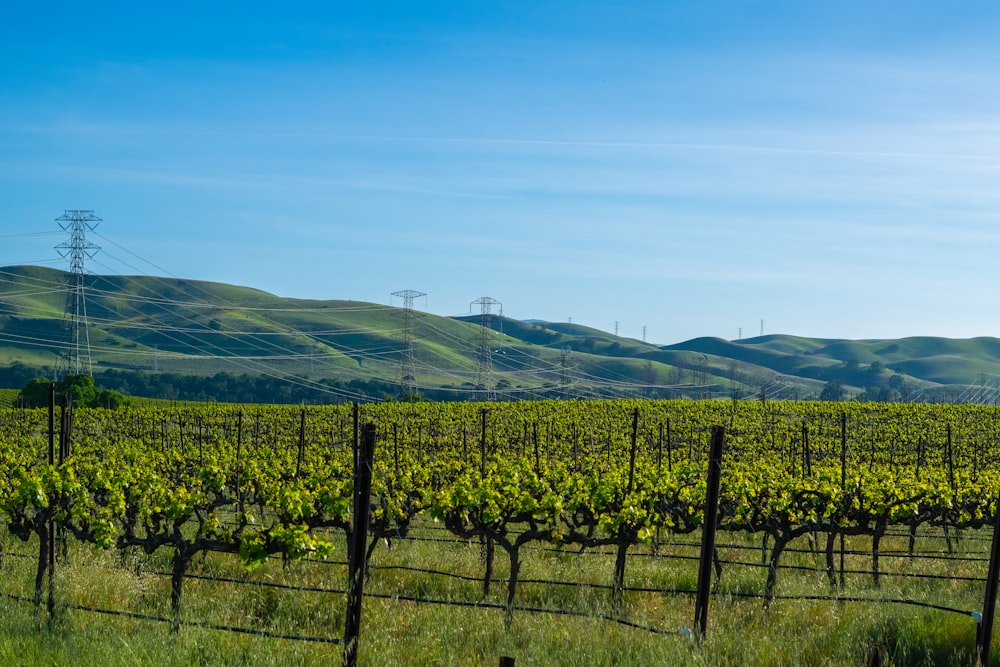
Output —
(195, 328)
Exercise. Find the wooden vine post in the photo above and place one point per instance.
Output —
(47, 546)
(708, 534)
(843, 485)
(488, 547)
(58, 534)
(984, 628)
(359, 538)
(302, 442)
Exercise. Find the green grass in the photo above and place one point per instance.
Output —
(399, 632)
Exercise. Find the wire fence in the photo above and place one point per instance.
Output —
(931, 558)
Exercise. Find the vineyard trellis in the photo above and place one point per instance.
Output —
(258, 482)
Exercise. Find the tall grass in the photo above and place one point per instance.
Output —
(790, 632)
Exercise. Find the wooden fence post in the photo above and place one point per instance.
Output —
(632, 450)
(302, 442)
(708, 529)
(984, 629)
(359, 539)
(487, 541)
(49, 544)
(843, 485)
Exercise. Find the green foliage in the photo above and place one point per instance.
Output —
(110, 399)
(35, 394)
(232, 482)
(9, 397)
(79, 388)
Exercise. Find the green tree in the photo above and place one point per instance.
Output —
(35, 394)
(80, 388)
(879, 393)
(832, 391)
(110, 399)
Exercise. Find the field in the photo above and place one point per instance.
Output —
(399, 632)
(8, 397)
(584, 520)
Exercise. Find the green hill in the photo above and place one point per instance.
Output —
(153, 325)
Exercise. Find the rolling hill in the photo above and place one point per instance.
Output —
(153, 325)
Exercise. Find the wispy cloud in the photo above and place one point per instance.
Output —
(684, 146)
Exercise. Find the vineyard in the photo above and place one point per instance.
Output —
(8, 397)
(588, 513)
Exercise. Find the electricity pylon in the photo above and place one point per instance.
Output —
(407, 368)
(76, 358)
(484, 370)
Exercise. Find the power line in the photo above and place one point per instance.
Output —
(27, 235)
(248, 364)
(206, 343)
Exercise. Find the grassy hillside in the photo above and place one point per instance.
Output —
(192, 327)
(157, 325)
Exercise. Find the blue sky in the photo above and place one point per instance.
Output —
(694, 168)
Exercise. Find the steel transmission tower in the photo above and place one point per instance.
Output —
(76, 358)
(484, 371)
(564, 364)
(407, 370)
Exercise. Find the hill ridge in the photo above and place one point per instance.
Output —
(154, 324)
